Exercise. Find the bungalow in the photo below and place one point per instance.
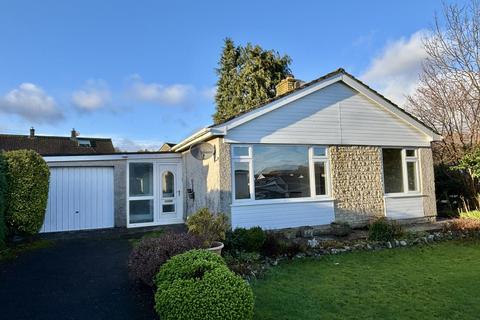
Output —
(329, 150)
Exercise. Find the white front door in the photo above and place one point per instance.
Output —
(155, 193)
(169, 193)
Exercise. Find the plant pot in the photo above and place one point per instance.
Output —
(216, 247)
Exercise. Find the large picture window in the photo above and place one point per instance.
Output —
(268, 172)
(400, 170)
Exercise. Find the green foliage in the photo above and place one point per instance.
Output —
(208, 226)
(471, 163)
(182, 266)
(27, 185)
(471, 215)
(384, 230)
(245, 264)
(249, 240)
(3, 191)
(247, 77)
(198, 285)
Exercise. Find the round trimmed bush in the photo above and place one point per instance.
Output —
(198, 285)
(3, 191)
(27, 191)
(150, 254)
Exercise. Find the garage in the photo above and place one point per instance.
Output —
(79, 198)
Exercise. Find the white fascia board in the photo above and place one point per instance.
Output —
(111, 157)
(276, 104)
(197, 137)
(391, 108)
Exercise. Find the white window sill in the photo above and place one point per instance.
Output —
(279, 201)
(404, 195)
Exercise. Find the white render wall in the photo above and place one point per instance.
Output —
(333, 115)
(283, 214)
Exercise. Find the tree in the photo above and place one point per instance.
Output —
(448, 96)
(247, 77)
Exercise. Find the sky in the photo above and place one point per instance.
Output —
(143, 72)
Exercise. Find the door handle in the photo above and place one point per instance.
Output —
(178, 193)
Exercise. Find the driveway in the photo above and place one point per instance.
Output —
(73, 279)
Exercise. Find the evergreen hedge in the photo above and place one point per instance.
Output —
(27, 191)
(198, 285)
(3, 191)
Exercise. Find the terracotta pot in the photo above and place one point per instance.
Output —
(216, 247)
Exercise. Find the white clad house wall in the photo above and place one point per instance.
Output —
(283, 214)
(79, 198)
(404, 207)
(336, 114)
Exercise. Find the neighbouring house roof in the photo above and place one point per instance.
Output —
(56, 145)
(339, 75)
(167, 146)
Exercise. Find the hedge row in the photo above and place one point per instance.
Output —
(24, 177)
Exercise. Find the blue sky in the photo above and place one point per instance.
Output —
(142, 72)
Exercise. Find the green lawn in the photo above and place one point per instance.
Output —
(437, 282)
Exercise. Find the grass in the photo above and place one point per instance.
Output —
(470, 214)
(435, 282)
(12, 251)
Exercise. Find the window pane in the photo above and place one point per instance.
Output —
(168, 208)
(240, 152)
(410, 152)
(411, 175)
(281, 172)
(242, 181)
(168, 185)
(319, 151)
(141, 179)
(392, 170)
(141, 211)
(320, 182)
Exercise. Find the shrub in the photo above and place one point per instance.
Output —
(384, 230)
(274, 245)
(3, 191)
(248, 240)
(208, 226)
(27, 191)
(470, 215)
(149, 254)
(340, 229)
(467, 225)
(198, 285)
(183, 265)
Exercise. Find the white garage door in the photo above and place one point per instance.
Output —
(79, 198)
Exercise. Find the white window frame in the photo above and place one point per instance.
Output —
(405, 160)
(134, 198)
(311, 160)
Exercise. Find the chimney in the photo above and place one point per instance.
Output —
(32, 132)
(74, 134)
(286, 85)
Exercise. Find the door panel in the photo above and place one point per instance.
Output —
(79, 198)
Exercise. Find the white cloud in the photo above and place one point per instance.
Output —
(395, 71)
(94, 96)
(175, 94)
(210, 93)
(125, 144)
(32, 103)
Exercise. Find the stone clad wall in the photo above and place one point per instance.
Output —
(357, 186)
(427, 182)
